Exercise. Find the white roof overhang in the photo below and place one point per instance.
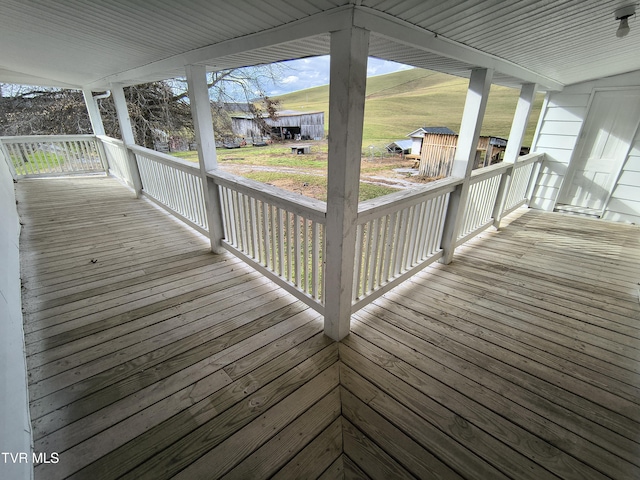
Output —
(74, 43)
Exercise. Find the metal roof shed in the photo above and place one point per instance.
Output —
(289, 123)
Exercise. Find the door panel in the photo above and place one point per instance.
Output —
(609, 130)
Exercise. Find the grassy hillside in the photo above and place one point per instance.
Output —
(400, 102)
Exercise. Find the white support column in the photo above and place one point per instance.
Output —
(94, 112)
(511, 154)
(206, 144)
(127, 136)
(520, 122)
(96, 123)
(472, 116)
(349, 51)
(126, 130)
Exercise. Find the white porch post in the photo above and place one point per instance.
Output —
(206, 144)
(94, 112)
(511, 154)
(96, 124)
(127, 136)
(474, 108)
(349, 51)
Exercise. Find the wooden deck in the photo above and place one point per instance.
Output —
(520, 360)
(149, 357)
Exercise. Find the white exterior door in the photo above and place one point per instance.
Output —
(603, 146)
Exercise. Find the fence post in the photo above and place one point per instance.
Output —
(511, 154)
(474, 108)
(127, 137)
(207, 156)
(348, 78)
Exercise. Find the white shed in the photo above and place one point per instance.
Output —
(417, 136)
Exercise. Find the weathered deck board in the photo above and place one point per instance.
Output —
(418, 461)
(315, 460)
(372, 459)
(521, 359)
(133, 358)
(525, 350)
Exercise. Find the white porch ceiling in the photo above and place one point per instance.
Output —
(94, 44)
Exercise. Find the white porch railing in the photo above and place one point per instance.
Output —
(46, 155)
(484, 193)
(397, 235)
(282, 234)
(174, 184)
(116, 156)
(278, 232)
(522, 180)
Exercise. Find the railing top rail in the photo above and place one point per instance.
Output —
(299, 204)
(493, 170)
(529, 158)
(107, 139)
(490, 171)
(45, 138)
(378, 207)
(165, 159)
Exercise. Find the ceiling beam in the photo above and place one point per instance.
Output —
(331, 20)
(20, 78)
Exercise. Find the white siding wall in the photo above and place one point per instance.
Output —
(15, 431)
(416, 145)
(557, 135)
(624, 205)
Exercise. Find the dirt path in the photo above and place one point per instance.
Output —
(387, 179)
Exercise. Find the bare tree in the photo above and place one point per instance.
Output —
(52, 111)
(43, 111)
(157, 110)
(241, 90)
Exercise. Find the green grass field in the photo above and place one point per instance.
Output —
(396, 104)
(313, 185)
(401, 102)
(276, 155)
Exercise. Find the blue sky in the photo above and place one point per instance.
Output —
(314, 71)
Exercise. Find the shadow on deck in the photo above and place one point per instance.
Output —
(150, 357)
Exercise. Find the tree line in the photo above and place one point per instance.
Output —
(158, 110)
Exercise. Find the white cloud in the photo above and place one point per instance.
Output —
(382, 67)
(314, 71)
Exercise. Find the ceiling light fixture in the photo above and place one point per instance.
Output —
(623, 15)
